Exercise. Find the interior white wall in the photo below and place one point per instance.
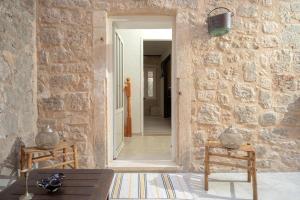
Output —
(132, 39)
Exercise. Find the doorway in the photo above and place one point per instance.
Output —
(157, 87)
(147, 62)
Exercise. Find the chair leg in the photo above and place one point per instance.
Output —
(249, 167)
(206, 168)
(254, 181)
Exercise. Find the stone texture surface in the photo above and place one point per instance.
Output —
(18, 109)
(239, 78)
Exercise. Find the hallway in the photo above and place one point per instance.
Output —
(157, 126)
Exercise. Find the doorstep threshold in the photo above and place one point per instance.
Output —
(144, 166)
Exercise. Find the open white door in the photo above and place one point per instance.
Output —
(118, 95)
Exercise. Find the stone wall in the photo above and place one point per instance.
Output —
(18, 109)
(248, 78)
(65, 75)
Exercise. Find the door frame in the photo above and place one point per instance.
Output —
(142, 22)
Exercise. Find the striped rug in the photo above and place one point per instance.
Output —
(149, 186)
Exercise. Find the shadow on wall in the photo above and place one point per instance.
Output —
(289, 135)
(292, 118)
(11, 163)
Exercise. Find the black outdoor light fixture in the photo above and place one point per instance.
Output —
(219, 24)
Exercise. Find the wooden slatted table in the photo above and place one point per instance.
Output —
(65, 154)
(249, 156)
(79, 184)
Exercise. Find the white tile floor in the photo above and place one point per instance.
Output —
(232, 186)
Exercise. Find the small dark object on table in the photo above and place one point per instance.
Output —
(53, 183)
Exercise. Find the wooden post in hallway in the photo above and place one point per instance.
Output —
(128, 127)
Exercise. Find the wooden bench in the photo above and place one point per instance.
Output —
(65, 154)
(249, 156)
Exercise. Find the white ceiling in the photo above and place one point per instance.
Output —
(157, 47)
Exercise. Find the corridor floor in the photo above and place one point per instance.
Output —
(146, 148)
(154, 145)
(157, 126)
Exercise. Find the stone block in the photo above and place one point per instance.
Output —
(295, 6)
(77, 101)
(208, 114)
(77, 38)
(61, 55)
(285, 82)
(213, 58)
(260, 150)
(295, 28)
(78, 18)
(246, 26)
(280, 132)
(63, 82)
(269, 41)
(51, 36)
(43, 57)
(206, 96)
(50, 15)
(280, 68)
(70, 68)
(71, 3)
(249, 72)
(53, 103)
(223, 100)
(212, 74)
(246, 114)
(244, 92)
(246, 133)
(290, 120)
(285, 13)
(265, 99)
(267, 2)
(265, 82)
(267, 119)
(283, 99)
(268, 15)
(230, 73)
(247, 10)
(210, 85)
(76, 133)
(296, 62)
(270, 27)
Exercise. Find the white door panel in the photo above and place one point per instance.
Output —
(118, 94)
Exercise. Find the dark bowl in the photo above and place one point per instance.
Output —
(52, 183)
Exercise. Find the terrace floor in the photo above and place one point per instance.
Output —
(232, 186)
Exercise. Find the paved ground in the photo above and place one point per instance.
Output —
(232, 186)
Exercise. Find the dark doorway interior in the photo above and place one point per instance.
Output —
(166, 73)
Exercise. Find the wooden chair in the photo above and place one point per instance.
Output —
(249, 157)
(65, 154)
